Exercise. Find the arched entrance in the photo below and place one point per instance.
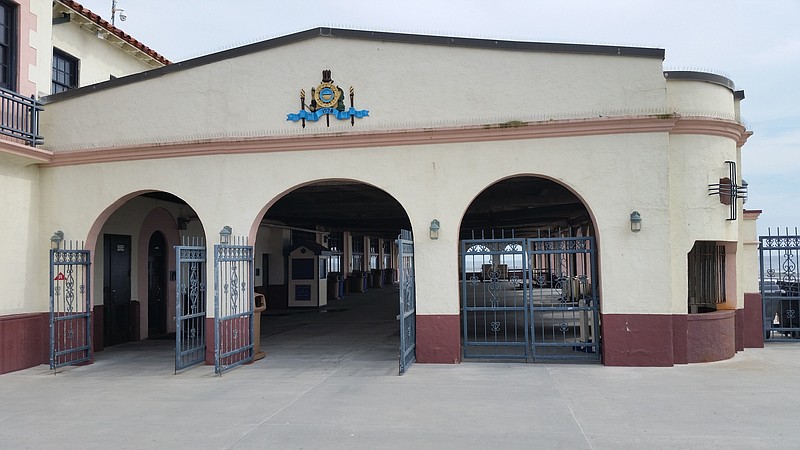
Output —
(133, 243)
(327, 262)
(529, 278)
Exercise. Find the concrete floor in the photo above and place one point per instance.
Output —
(329, 381)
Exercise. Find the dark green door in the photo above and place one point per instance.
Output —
(118, 321)
(157, 285)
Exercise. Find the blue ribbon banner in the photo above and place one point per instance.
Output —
(315, 116)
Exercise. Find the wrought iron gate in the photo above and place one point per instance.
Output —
(408, 304)
(190, 303)
(780, 286)
(233, 305)
(530, 299)
(70, 306)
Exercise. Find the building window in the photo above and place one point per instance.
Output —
(65, 72)
(706, 276)
(8, 45)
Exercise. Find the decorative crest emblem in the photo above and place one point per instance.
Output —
(327, 99)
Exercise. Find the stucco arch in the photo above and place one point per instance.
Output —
(100, 220)
(139, 220)
(521, 175)
(256, 220)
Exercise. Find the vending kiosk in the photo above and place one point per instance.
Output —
(308, 275)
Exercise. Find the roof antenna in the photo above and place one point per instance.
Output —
(114, 11)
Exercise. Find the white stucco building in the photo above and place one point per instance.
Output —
(558, 194)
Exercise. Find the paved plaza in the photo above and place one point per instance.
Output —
(319, 389)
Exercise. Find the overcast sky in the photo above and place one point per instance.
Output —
(754, 43)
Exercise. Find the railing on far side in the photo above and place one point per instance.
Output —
(19, 117)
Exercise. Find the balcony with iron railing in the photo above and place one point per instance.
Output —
(19, 117)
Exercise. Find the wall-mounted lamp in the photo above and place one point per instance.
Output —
(55, 241)
(636, 222)
(225, 235)
(435, 229)
(744, 192)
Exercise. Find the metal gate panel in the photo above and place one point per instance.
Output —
(530, 299)
(190, 304)
(233, 305)
(70, 306)
(780, 286)
(408, 303)
(564, 314)
(493, 299)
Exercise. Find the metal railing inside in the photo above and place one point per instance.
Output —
(19, 117)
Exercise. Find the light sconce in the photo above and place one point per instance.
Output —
(225, 235)
(636, 222)
(55, 241)
(183, 223)
(743, 188)
(434, 229)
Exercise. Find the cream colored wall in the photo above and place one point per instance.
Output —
(24, 287)
(402, 85)
(99, 58)
(749, 268)
(36, 67)
(700, 98)
(695, 162)
(664, 177)
(634, 267)
(271, 241)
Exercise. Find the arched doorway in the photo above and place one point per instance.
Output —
(135, 267)
(157, 294)
(327, 262)
(529, 280)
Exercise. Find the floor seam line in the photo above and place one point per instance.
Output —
(302, 394)
(571, 411)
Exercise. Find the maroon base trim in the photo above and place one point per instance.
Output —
(739, 330)
(24, 341)
(638, 340)
(711, 336)
(438, 339)
(753, 318)
(680, 343)
(660, 340)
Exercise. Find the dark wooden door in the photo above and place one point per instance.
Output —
(157, 285)
(117, 289)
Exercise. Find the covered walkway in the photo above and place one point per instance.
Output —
(359, 327)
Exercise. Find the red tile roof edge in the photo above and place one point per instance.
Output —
(80, 9)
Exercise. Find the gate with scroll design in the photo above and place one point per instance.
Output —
(780, 285)
(408, 302)
(530, 299)
(190, 304)
(233, 305)
(70, 306)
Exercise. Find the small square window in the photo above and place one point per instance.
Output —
(65, 72)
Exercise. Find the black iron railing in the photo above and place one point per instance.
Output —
(19, 117)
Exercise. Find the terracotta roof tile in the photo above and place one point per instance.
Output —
(80, 9)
